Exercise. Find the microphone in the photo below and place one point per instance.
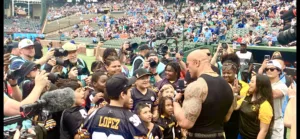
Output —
(53, 101)
(58, 100)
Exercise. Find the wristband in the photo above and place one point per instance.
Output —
(93, 105)
(292, 97)
(13, 85)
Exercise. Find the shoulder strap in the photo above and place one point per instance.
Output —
(82, 62)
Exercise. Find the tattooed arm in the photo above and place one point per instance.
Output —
(194, 96)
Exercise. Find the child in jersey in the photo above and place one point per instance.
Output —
(144, 112)
(166, 120)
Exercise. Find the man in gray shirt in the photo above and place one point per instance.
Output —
(273, 70)
(223, 30)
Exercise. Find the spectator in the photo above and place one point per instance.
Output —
(145, 114)
(279, 90)
(262, 110)
(172, 74)
(139, 60)
(38, 49)
(246, 62)
(208, 36)
(118, 91)
(76, 67)
(140, 93)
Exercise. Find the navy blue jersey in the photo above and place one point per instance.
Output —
(149, 98)
(112, 122)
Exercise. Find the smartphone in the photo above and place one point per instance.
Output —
(224, 46)
(267, 57)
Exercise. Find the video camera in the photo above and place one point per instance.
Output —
(58, 52)
(290, 34)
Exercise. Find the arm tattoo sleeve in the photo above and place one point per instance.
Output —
(194, 96)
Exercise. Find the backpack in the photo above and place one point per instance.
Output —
(288, 80)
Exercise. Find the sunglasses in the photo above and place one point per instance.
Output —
(271, 69)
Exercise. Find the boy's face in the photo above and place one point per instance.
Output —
(146, 114)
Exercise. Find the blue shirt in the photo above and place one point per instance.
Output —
(207, 34)
(286, 98)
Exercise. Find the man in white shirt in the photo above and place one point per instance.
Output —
(273, 71)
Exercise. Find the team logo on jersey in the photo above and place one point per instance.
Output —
(152, 98)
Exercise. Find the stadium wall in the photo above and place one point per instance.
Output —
(36, 10)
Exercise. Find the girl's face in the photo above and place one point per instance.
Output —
(100, 84)
(146, 115)
(168, 108)
(170, 73)
(252, 85)
(168, 93)
(228, 75)
(114, 68)
(79, 96)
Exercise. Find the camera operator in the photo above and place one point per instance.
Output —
(12, 107)
(140, 59)
(154, 66)
(76, 67)
(27, 52)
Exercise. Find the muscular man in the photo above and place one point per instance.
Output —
(208, 101)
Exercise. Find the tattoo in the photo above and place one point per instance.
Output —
(195, 94)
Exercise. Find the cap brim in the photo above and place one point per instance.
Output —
(131, 81)
(149, 74)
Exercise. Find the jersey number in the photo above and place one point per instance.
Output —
(101, 135)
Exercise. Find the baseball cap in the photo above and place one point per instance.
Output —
(275, 64)
(140, 73)
(151, 53)
(144, 47)
(117, 84)
(69, 46)
(21, 68)
(25, 43)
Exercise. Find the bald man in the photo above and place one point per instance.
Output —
(208, 101)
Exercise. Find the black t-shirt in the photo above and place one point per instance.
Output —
(114, 122)
(72, 119)
(137, 97)
(169, 127)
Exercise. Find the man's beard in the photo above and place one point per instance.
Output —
(73, 61)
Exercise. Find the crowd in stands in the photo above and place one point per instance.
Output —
(55, 13)
(207, 95)
(257, 23)
(22, 25)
